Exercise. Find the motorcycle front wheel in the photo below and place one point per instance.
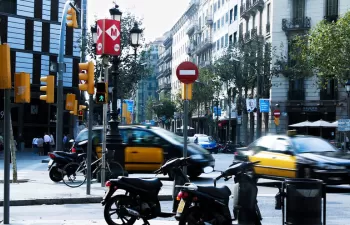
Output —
(115, 207)
(196, 216)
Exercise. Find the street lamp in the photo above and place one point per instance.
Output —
(135, 35)
(116, 14)
(94, 33)
(347, 86)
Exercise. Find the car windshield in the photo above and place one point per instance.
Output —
(167, 134)
(312, 144)
(205, 139)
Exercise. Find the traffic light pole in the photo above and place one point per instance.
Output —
(59, 121)
(7, 155)
(89, 150)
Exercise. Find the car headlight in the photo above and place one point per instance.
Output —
(196, 157)
(331, 167)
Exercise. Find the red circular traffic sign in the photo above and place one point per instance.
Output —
(277, 113)
(187, 72)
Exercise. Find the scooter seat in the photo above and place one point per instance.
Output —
(153, 184)
(222, 192)
(67, 154)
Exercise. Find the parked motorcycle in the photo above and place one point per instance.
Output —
(210, 205)
(140, 200)
(58, 159)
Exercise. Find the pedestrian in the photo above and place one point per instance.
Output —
(35, 145)
(52, 142)
(47, 141)
(40, 143)
(65, 142)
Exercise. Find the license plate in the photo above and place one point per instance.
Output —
(106, 193)
(50, 162)
(181, 206)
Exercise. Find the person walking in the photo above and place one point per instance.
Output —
(47, 141)
(52, 142)
(65, 142)
(40, 144)
(35, 145)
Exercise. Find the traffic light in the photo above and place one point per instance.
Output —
(49, 89)
(81, 112)
(5, 67)
(72, 18)
(101, 92)
(22, 88)
(70, 101)
(88, 77)
(75, 109)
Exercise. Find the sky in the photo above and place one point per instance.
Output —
(158, 16)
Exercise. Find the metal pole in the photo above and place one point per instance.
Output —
(229, 114)
(185, 132)
(104, 149)
(7, 155)
(258, 113)
(59, 122)
(217, 118)
(89, 150)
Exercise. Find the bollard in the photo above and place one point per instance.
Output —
(302, 201)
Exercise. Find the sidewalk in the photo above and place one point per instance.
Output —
(85, 222)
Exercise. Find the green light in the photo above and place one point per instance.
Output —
(101, 98)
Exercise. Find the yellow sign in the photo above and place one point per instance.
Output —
(5, 67)
(277, 121)
(22, 88)
(70, 101)
(186, 91)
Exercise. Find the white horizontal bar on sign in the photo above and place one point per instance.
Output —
(187, 72)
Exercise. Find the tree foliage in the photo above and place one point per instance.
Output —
(164, 108)
(131, 69)
(326, 49)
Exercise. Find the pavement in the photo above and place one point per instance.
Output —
(85, 222)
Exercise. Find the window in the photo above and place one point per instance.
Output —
(141, 137)
(231, 16)
(223, 2)
(214, 27)
(82, 136)
(312, 144)
(298, 8)
(54, 10)
(235, 12)
(218, 24)
(38, 9)
(29, 35)
(268, 12)
(253, 21)
(263, 144)
(230, 39)
(226, 40)
(332, 10)
(218, 44)
(222, 42)
(226, 19)
(222, 21)
(45, 41)
(235, 37)
(215, 7)
(8, 6)
(219, 4)
(281, 145)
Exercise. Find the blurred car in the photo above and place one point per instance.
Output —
(147, 148)
(206, 142)
(296, 156)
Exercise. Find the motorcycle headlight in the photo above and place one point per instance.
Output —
(196, 157)
(330, 167)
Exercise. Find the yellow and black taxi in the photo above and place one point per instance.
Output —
(297, 156)
(148, 148)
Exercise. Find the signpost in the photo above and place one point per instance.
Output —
(108, 37)
(277, 114)
(264, 105)
(187, 73)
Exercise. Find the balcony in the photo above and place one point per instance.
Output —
(167, 71)
(202, 46)
(268, 28)
(296, 95)
(296, 24)
(191, 28)
(168, 55)
(209, 20)
(250, 7)
(164, 87)
(204, 64)
(190, 50)
(168, 41)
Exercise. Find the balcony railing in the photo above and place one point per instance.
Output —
(167, 71)
(326, 95)
(209, 20)
(191, 28)
(296, 24)
(167, 55)
(204, 45)
(296, 95)
(164, 86)
(250, 6)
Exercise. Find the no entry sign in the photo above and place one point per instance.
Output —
(187, 72)
(277, 113)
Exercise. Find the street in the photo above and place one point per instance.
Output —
(338, 197)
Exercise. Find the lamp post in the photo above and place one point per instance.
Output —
(347, 86)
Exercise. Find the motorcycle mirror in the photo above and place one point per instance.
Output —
(71, 140)
(208, 169)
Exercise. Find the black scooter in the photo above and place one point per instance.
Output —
(58, 159)
(140, 200)
(210, 205)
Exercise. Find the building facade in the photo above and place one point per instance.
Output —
(32, 29)
(165, 67)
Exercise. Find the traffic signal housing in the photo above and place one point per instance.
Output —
(72, 18)
(88, 77)
(75, 109)
(22, 88)
(81, 112)
(101, 92)
(70, 102)
(5, 67)
(49, 89)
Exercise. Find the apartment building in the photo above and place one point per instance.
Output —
(165, 66)
(32, 29)
(298, 100)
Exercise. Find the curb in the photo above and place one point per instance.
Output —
(64, 201)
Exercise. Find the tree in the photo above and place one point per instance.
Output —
(149, 108)
(131, 70)
(326, 50)
(164, 110)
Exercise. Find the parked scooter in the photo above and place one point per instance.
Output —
(210, 205)
(58, 159)
(140, 200)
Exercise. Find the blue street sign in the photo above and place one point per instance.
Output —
(217, 112)
(264, 105)
(344, 125)
(130, 105)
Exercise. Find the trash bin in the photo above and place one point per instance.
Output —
(305, 202)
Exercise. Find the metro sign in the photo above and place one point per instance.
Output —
(108, 37)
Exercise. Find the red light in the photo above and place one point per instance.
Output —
(74, 150)
(236, 153)
(108, 183)
(80, 112)
(181, 195)
(52, 156)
